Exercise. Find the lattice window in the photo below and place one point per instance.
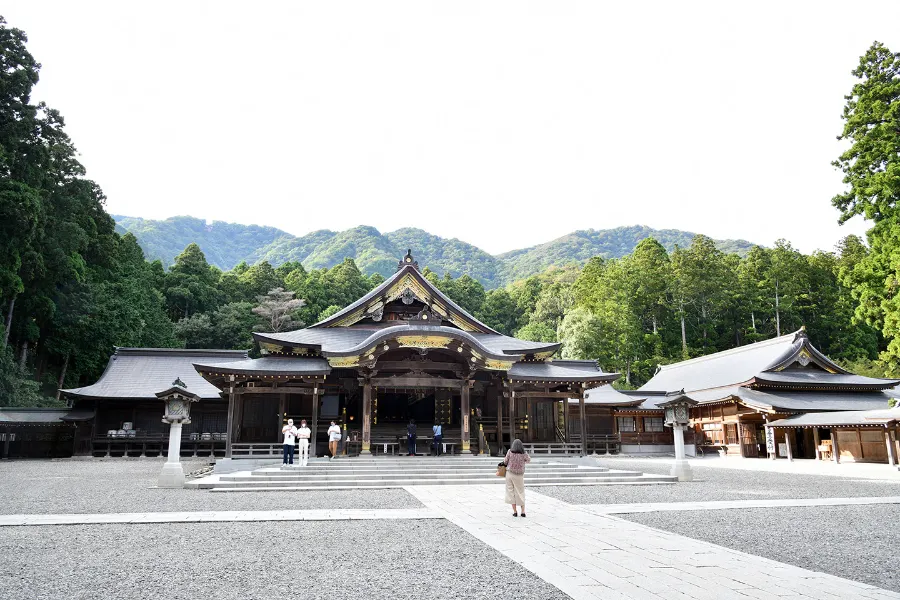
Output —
(626, 424)
(731, 434)
(653, 424)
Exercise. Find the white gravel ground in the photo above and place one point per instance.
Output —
(855, 542)
(224, 561)
(123, 485)
(712, 483)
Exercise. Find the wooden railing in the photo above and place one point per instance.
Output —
(256, 450)
(552, 448)
(154, 445)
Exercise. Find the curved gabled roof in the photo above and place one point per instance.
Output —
(407, 277)
(356, 344)
(344, 340)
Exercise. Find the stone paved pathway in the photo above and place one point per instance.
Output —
(588, 555)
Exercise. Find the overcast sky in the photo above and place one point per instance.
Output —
(504, 124)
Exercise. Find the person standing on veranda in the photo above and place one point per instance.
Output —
(290, 436)
(411, 438)
(438, 433)
(334, 436)
(516, 459)
(303, 435)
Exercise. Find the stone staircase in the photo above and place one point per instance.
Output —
(395, 472)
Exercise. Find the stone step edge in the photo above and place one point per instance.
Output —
(413, 482)
(399, 486)
(332, 476)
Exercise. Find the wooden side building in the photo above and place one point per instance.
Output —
(740, 391)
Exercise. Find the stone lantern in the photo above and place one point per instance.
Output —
(678, 417)
(178, 412)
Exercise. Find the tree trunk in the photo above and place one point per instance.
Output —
(753, 320)
(24, 356)
(684, 348)
(654, 325)
(9, 316)
(628, 372)
(40, 363)
(62, 375)
(703, 316)
(777, 315)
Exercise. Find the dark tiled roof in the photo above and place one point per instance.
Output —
(609, 396)
(329, 339)
(812, 401)
(269, 365)
(559, 370)
(334, 341)
(32, 415)
(824, 419)
(139, 373)
(816, 378)
(504, 344)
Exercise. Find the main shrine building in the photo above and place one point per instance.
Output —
(407, 351)
(403, 351)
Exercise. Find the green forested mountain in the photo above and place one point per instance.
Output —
(227, 244)
(580, 246)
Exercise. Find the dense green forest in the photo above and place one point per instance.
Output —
(227, 244)
(72, 287)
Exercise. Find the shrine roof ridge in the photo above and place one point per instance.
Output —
(408, 268)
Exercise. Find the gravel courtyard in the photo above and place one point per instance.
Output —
(856, 542)
(127, 485)
(243, 561)
(711, 483)
(389, 558)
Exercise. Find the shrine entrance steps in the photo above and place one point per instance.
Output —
(397, 472)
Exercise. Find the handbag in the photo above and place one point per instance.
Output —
(501, 470)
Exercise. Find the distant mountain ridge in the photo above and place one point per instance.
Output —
(227, 244)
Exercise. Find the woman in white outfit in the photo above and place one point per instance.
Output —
(303, 434)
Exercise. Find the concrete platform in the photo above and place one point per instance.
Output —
(398, 472)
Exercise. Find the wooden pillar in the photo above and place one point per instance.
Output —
(367, 417)
(512, 417)
(583, 423)
(835, 450)
(566, 418)
(499, 418)
(315, 421)
(464, 413)
(529, 407)
(229, 431)
(282, 409)
(787, 442)
(816, 441)
(239, 402)
(892, 459)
